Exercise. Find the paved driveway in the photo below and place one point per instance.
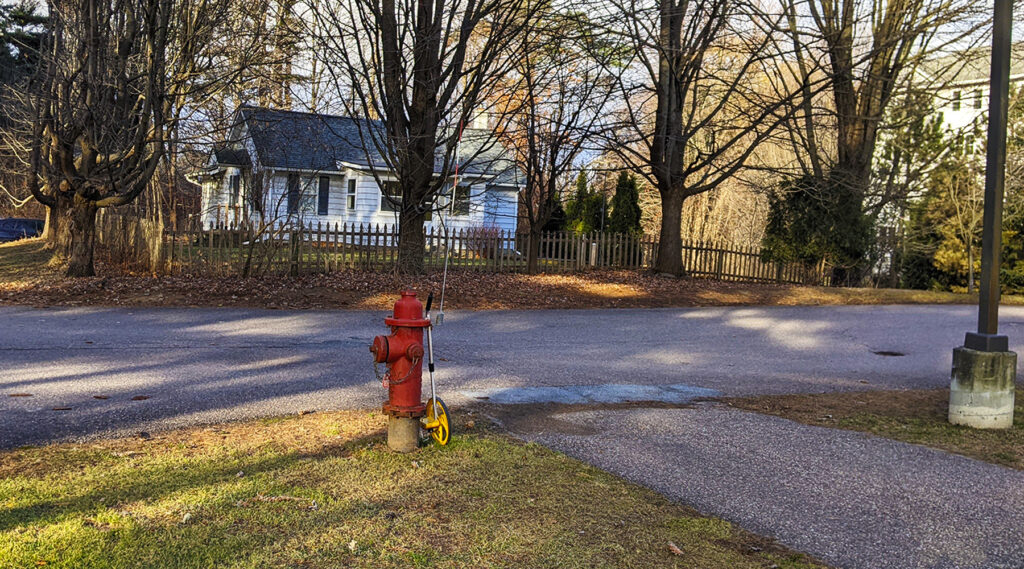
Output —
(204, 365)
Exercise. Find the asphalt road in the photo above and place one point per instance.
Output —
(854, 500)
(207, 365)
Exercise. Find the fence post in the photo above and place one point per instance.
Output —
(293, 239)
(719, 261)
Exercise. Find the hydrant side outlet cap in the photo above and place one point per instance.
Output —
(381, 349)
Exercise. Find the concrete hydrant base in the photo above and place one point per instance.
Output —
(403, 434)
(981, 394)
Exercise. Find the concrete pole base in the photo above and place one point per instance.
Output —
(403, 434)
(981, 394)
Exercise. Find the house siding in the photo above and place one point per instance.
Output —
(216, 199)
(488, 207)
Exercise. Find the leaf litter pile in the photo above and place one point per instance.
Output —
(468, 290)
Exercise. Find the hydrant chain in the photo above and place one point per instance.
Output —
(387, 375)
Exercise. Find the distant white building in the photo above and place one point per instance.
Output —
(963, 85)
(286, 167)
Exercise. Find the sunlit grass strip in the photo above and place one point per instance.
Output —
(916, 416)
(322, 491)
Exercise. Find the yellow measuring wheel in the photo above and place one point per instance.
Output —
(437, 424)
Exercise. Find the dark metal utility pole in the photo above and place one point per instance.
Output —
(981, 393)
(987, 338)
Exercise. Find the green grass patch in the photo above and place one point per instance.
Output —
(913, 416)
(323, 491)
(25, 261)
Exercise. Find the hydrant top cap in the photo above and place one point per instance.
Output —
(408, 312)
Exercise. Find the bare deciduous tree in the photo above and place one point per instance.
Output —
(708, 89)
(423, 68)
(868, 51)
(555, 102)
(116, 80)
(99, 111)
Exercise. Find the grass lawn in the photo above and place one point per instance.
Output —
(24, 261)
(913, 416)
(27, 278)
(321, 490)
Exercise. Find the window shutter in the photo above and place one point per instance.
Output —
(323, 196)
(293, 193)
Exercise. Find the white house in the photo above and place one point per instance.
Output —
(963, 79)
(287, 167)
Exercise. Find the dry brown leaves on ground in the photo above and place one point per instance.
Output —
(465, 290)
(26, 278)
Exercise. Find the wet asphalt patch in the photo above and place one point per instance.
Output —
(678, 393)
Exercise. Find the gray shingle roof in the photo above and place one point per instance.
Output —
(231, 157)
(970, 67)
(303, 141)
(307, 141)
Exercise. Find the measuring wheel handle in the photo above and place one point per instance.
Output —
(437, 423)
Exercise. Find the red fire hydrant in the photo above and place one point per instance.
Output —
(402, 351)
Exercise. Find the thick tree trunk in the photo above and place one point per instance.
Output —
(411, 242)
(52, 221)
(58, 226)
(533, 253)
(670, 243)
(83, 239)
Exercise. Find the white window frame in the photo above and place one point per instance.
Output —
(350, 194)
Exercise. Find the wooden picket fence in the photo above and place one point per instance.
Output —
(131, 242)
(249, 250)
(742, 263)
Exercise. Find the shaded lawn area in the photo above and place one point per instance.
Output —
(25, 262)
(913, 416)
(321, 490)
(27, 279)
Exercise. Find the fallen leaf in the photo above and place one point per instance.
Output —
(674, 549)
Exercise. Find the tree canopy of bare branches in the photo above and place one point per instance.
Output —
(706, 90)
(554, 102)
(423, 68)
